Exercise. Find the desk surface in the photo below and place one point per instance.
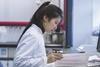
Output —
(89, 49)
(73, 60)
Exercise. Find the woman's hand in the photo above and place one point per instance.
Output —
(52, 57)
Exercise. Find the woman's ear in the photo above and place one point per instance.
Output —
(45, 18)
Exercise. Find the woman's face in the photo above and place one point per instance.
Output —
(51, 25)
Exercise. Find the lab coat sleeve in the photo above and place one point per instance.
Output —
(24, 53)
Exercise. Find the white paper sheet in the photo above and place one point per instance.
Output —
(73, 60)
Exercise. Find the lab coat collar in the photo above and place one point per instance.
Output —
(37, 28)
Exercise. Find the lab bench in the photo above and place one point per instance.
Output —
(7, 52)
(10, 47)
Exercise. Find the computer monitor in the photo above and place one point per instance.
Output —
(98, 43)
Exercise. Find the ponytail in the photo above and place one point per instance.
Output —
(34, 19)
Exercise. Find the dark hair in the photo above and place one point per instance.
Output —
(46, 9)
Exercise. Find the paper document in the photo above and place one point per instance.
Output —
(73, 60)
(94, 61)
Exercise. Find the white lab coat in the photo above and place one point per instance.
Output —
(31, 49)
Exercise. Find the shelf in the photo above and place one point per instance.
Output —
(13, 23)
(5, 58)
(8, 44)
(13, 45)
(54, 45)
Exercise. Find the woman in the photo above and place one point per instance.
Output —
(30, 51)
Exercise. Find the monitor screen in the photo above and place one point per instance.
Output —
(98, 43)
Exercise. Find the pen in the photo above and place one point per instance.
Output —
(57, 51)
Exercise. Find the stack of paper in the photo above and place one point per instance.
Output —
(73, 60)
